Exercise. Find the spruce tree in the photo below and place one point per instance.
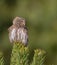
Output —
(1, 59)
(19, 54)
(39, 57)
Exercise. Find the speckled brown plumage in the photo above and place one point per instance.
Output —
(18, 31)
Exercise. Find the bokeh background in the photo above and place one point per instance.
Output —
(41, 20)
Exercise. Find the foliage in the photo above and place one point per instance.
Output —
(20, 55)
(1, 59)
(39, 57)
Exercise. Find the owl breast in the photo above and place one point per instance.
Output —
(19, 31)
(12, 35)
(22, 36)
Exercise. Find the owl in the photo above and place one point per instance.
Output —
(18, 31)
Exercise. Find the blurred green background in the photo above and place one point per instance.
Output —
(41, 20)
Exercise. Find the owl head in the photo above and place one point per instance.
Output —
(19, 22)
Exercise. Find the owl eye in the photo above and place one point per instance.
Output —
(23, 22)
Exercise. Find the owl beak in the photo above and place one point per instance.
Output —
(24, 22)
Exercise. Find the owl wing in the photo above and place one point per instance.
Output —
(12, 35)
(24, 36)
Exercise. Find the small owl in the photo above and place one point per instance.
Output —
(18, 31)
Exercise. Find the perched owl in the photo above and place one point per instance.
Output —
(18, 31)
